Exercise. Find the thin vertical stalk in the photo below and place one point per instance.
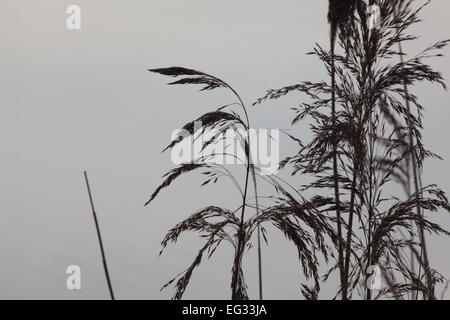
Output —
(258, 238)
(241, 238)
(335, 168)
(416, 178)
(241, 235)
(349, 236)
(366, 67)
(105, 266)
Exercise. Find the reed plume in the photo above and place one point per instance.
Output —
(367, 136)
(297, 221)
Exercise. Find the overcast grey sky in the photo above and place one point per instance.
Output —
(83, 100)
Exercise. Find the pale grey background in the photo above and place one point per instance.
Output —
(75, 100)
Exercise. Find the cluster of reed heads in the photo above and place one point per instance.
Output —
(366, 139)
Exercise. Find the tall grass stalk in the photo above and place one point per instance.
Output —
(290, 213)
(97, 228)
(371, 122)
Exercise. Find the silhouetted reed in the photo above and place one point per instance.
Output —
(362, 137)
(232, 225)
